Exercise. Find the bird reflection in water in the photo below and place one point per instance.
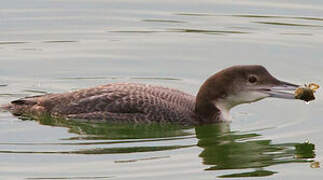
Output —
(222, 149)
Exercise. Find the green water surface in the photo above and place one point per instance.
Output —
(53, 46)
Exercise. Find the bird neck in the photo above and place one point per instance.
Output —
(207, 112)
(211, 105)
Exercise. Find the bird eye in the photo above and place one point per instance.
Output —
(252, 79)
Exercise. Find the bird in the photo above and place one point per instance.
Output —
(143, 103)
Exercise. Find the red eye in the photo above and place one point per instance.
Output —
(252, 79)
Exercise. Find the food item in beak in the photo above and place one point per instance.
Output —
(306, 93)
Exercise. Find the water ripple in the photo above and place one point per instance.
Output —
(135, 31)
(98, 143)
(142, 159)
(115, 150)
(81, 177)
(209, 31)
(297, 34)
(58, 41)
(286, 24)
(163, 21)
(12, 42)
(194, 14)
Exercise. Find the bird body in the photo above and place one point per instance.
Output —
(140, 103)
(116, 102)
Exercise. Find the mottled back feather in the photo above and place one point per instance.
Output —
(129, 102)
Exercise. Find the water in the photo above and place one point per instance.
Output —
(51, 46)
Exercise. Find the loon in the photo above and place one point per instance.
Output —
(141, 103)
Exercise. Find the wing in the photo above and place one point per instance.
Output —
(116, 102)
(130, 108)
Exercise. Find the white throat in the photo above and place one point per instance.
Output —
(224, 108)
(224, 105)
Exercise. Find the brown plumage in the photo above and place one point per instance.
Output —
(132, 102)
(121, 102)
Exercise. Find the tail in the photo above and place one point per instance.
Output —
(19, 107)
(5, 107)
